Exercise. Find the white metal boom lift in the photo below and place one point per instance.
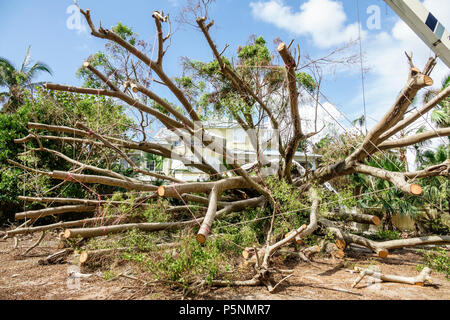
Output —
(425, 25)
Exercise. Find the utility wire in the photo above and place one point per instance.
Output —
(362, 66)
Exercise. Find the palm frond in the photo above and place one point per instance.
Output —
(440, 117)
(38, 67)
(26, 60)
(7, 71)
(6, 63)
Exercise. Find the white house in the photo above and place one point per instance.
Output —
(236, 141)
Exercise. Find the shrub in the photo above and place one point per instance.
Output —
(437, 259)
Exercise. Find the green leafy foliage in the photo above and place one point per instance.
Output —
(307, 81)
(294, 209)
(99, 59)
(110, 62)
(437, 259)
(255, 54)
(11, 127)
(55, 108)
(441, 114)
(381, 193)
(187, 263)
(125, 33)
(434, 223)
(384, 235)
(435, 189)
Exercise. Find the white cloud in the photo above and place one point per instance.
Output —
(387, 62)
(324, 20)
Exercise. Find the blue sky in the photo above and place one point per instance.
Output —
(319, 26)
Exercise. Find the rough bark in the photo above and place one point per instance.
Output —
(297, 134)
(416, 81)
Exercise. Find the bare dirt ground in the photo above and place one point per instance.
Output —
(24, 279)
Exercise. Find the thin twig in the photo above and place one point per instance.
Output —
(34, 245)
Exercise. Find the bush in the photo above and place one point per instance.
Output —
(54, 108)
(437, 259)
(11, 127)
(187, 263)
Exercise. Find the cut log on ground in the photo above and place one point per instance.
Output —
(311, 251)
(333, 250)
(63, 243)
(154, 227)
(56, 258)
(297, 239)
(85, 202)
(307, 253)
(147, 227)
(382, 248)
(53, 211)
(252, 256)
(247, 253)
(63, 225)
(420, 280)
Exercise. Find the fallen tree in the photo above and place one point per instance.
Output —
(420, 280)
(238, 187)
(63, 225)
(382, 248)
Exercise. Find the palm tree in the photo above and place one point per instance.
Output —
(435, 190)
(441, 114)
(17, 81)
(391, 200)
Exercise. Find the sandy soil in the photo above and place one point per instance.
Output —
(23, 278)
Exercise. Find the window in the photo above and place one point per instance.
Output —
(151, 165)
(239, 135)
